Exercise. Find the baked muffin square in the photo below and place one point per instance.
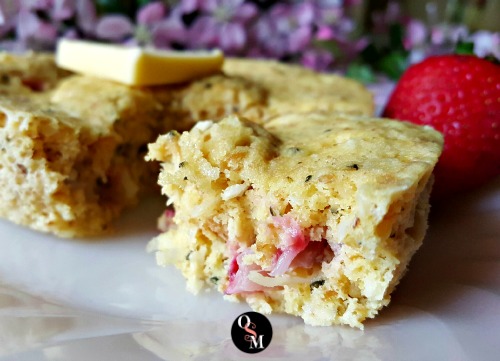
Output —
(72, 147)
(312, 214)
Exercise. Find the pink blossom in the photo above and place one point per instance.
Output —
(270, 42)
(222, 24)
(151, 13)
(299, 39)
(416, 34)
(304, 13)
(245, 13)
(286, 29)
(234, 37)
(445, 33)
(114, 27)
(36, 4)
(204, 33)
(8, 12)
(62, 9)
(486, 43)
(86, 16)
(317, 59)
(328, 15)
(189, 6)
(29, 26)
(169, 32)
(324, 33)
(438, 36)
(207, 32)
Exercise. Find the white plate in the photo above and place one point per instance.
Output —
(107, 300)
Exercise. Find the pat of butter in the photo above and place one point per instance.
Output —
(134, 65)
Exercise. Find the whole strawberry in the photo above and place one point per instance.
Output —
(458, 95)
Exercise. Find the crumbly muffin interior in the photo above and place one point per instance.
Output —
(76, 144)
(315, 215)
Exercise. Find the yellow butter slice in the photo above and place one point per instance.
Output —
(134, 65)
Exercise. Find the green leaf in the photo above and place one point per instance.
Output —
(465, 48)
(361, 72)
(126, 7)
(393, 64)
(370, 54)
(141, 3)
(396, 36)
(492, 59)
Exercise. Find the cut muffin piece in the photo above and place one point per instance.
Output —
(293, 88)
(64, 174)
(72, 158)
(212, 97)
(72, 147)
(261, 89)
(315, 215)
(31, 72)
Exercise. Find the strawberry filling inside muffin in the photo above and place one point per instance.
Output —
(292, 242)
(295, 250)
(238, 276)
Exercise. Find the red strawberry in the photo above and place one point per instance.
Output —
(458, 95)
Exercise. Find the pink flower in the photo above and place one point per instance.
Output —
(299, 39)
(324, 33)
(189, 6)
(232, 37)
(442, 34)
(317, 59)
(36, 4)
(86, 16)
(222, 24)
(438, 36)
(62, 9)
(114, 27)
(416, 34)
(486, 43)
(30, 27)
(8, 12)
(151, 13)
(168, 33)
(285, 30)
(304, 13)
(268, 42)
(204, 33)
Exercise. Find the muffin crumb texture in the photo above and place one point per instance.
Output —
(72, 147)
(311, 214)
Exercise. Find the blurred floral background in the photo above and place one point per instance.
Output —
(360, 38)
